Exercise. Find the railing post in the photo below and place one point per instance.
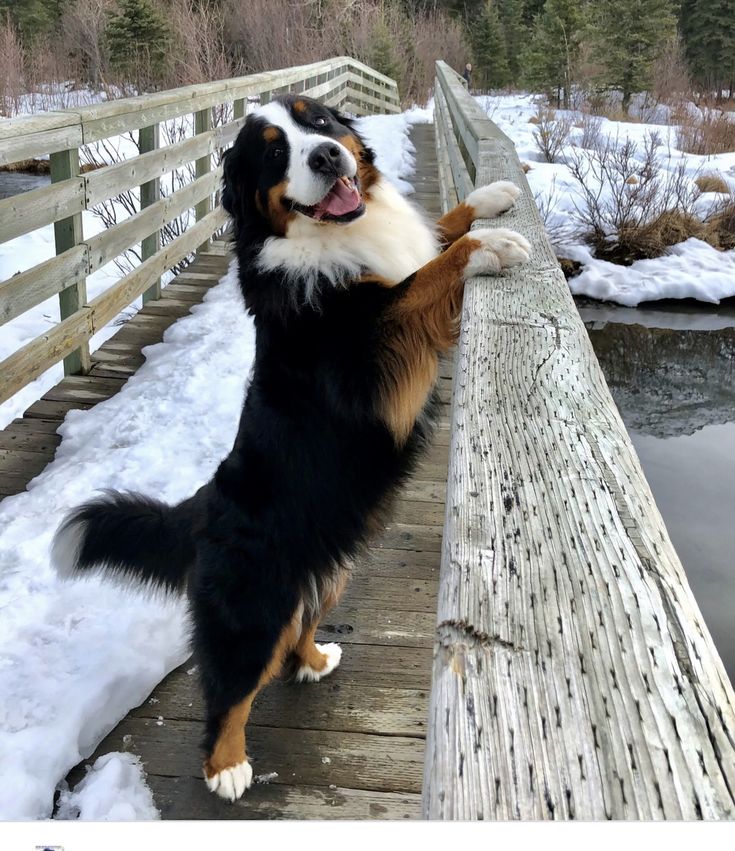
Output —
(149, 140)
(238, 108)
(203, 123)
(68, 233)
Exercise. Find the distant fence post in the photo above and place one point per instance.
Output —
(203, 123)
(69, 233)
(149, 140)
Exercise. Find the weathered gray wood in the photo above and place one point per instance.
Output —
(203, 123)
(149, 140)
(35, 357)
(28, 211)
(29, 288)
(68, 234)
(574, 676)
(31, 136)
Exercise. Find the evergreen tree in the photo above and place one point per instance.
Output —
(708, 28)
(488, 47)
(137, 39)
(515, 32)
(630, 35)
(382, 52)
(550, 59)
(34, 18)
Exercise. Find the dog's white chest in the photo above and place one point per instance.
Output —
(392, 239)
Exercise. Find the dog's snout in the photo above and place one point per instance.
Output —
(325, 158)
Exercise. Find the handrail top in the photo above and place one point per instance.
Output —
(232, 88)
(477, 121)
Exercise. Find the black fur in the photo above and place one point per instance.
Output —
(312, 467)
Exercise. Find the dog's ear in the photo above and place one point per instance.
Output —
(232, 181)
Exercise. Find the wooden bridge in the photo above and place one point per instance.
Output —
(522, 642)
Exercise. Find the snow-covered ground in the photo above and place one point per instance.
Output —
(692, 269)
(75, 657)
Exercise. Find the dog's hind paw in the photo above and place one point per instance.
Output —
(499, 249)
(230, 783)
(492, 200)
(333, 654)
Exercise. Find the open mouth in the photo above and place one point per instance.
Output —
(342, 203)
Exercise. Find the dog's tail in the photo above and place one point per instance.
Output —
(130, 537)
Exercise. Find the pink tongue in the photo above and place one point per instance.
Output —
(338, 202)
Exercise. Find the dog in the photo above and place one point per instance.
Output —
(354, 297)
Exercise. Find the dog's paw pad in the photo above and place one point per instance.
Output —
(499, 249)
(492, 200)
(230, 783)
(307, 674)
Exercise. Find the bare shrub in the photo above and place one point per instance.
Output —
(591, 127)
(83, 28)
(199, 52)
(551, 133)
(711, 182)
(632, 208)
(711, 131)
(12, 84)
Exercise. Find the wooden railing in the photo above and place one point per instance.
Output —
(574, 676)
(341, 82)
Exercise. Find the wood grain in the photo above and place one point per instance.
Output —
(574, 676)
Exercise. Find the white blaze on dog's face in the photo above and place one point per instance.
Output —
(321, 171)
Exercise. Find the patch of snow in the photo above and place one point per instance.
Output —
(690, 270)
(113, 790)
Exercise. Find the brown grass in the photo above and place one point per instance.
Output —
(711, 182)
(711, 132)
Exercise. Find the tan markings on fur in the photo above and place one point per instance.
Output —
(455, 223)
(306, 650)
(229, 749)
(300, 106)
(423, 322)
(270, 134)
(278, 213)
(366, 172)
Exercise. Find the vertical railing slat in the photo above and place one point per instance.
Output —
(68, 233)
(149, 140)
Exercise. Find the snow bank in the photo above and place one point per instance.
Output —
(113, 790)
(75, 657)
(690, 270)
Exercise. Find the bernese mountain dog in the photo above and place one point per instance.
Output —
(354, 296)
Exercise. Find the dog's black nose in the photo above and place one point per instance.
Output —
(325, 158)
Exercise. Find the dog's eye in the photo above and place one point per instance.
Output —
(320, 121)
(276, 153)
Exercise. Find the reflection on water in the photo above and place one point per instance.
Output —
(676, 393)
(13, 183)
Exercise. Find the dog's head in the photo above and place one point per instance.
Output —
(295, 157)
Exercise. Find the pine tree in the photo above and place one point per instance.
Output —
(34, 18)
(551, 56)
(137, 38)
(382, 52)
(630, 35)
(515, 32)
(488, 46)
(708, 28)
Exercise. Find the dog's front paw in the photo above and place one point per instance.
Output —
(498, 249)
(492, 200)
(229, 783)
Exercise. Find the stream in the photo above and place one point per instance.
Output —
(671, 371)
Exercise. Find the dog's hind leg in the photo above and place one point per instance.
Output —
(315, 661)
(485, 202)
(238, 654)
